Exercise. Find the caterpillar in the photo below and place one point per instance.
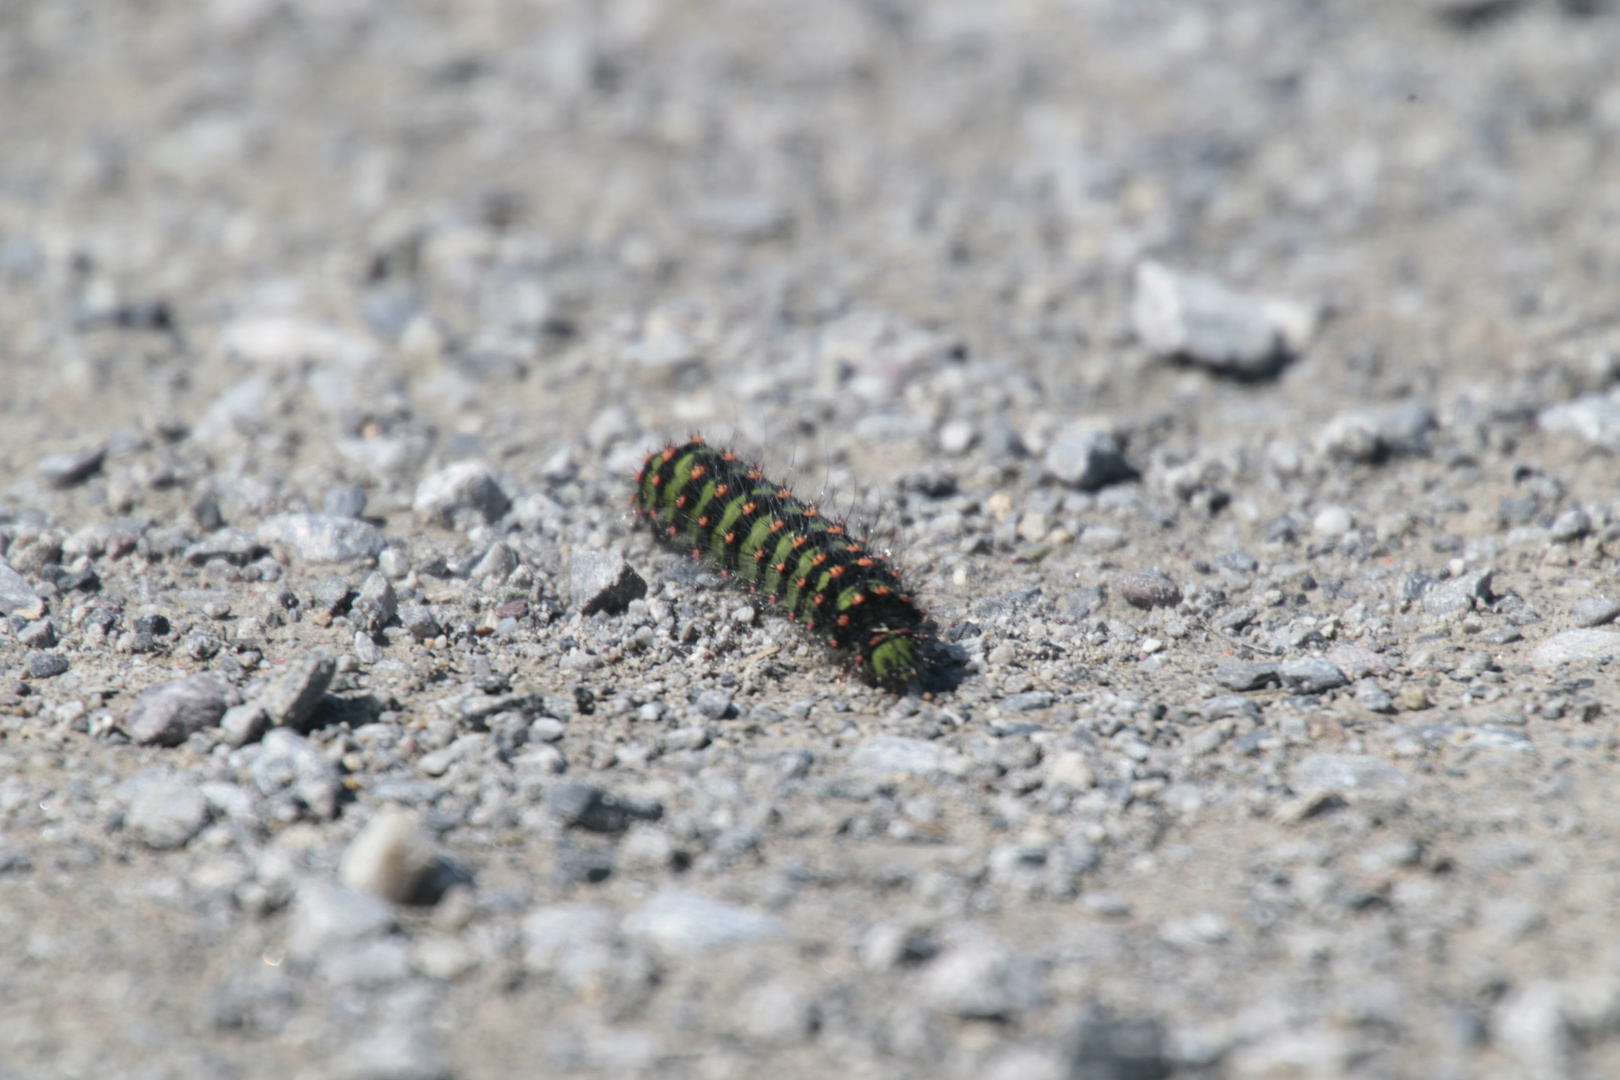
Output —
(708, 503)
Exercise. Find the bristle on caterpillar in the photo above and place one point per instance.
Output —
(707, 503)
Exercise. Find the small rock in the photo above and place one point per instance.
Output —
(1101, 539)
(288, 765)
(1248, 676)
(344, 502)
(321, 537)
(1595, 418)
(394, 1051)
(1573, 645)
(365, 649)
(1354, 437)
(327, 916)
(465, 488)
(68, 469)
(235, 546)
(331, 594)
(1107, 1047)
(714, 704)
(1459, 595)
(17, 597)
(886, 755)
(40, 634)
(1332, 522)
(1374, 698)
(243, 724)
(603, 581)
(1087, 459)
(45, 665)
(376, 605)
(1148, 589)
(979, 979)
(1198, 320)
(166, 811)
(497, 562)
(1311, 675)
(390, 858)
(686, 925)
(1414, 698)
(169, 713)
(1344, 774)
(1571, 525)
(597, 809)
(1594, 611)
(291, 696)
(419, 622)
(200, 645)
(1071, 769)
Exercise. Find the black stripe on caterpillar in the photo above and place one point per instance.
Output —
(708, 503)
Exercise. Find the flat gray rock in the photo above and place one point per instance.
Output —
(1343, 774)
(1594, 417)
(291, 696)
(70, 468)
(603, 581)
(465, 488)
(1594, 611)
(1201, 321)
(1459, 595)
(1148, 589)
(1573, 645)
(682, 924)
(1087, 459)
(166, 811)
(1248, 676)
(1311, 675)
(889, 754)
(322, 537)
(168, 714)
(16, 595)
(236, 546)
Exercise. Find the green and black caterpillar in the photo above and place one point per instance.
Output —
(710, 504)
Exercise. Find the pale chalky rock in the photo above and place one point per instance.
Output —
(391, 858)
(322, 537)
(1574, 645)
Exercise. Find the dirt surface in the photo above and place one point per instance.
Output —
(1231, 383)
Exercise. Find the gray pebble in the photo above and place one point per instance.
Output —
(321, 537)
(46, 665)
(689, 738)
(465, 489)
(168, 714)
(1459, 595)
(291, 696)
(714, 704)
(1107, 1047)
(201, 645)
(327, 916)
(376, 605)
(889, 754)
(344, 502)
(1029, 701)
(286, 764)
(365, 649)
(1311, 675)
(244, 724)
(331, 594)
(1572, 524)
(1087, 459)
(394, 563)
(419, 622)
(1198, 320)
(682, 924)
(73, 467)
(1594, 611)
(1248, 676)
(1148, 589)
(16, 595)
(497, 562)
(603, 581)
(230, 544)
(40, 634)
(1374, 698)
(166, 811)
(1594, 417)
(1573, 645)
(596, 809)
(979, 979)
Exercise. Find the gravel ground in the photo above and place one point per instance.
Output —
(1237, 386)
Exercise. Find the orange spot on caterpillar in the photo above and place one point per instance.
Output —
(882, 590)
(801, 583)
(783, 493)
(837, 572)
(669, 454)
(778, 525)
(843, 620)
(720, 490)
(780, 568)
(818, 558)
(731, 538)
(799, 542)
(865, 562)
(703, 522)
(698, 472)
(681, 501)
(759, 556)
(858, 598)
(750, 507)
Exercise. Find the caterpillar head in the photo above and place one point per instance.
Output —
(892, 658)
